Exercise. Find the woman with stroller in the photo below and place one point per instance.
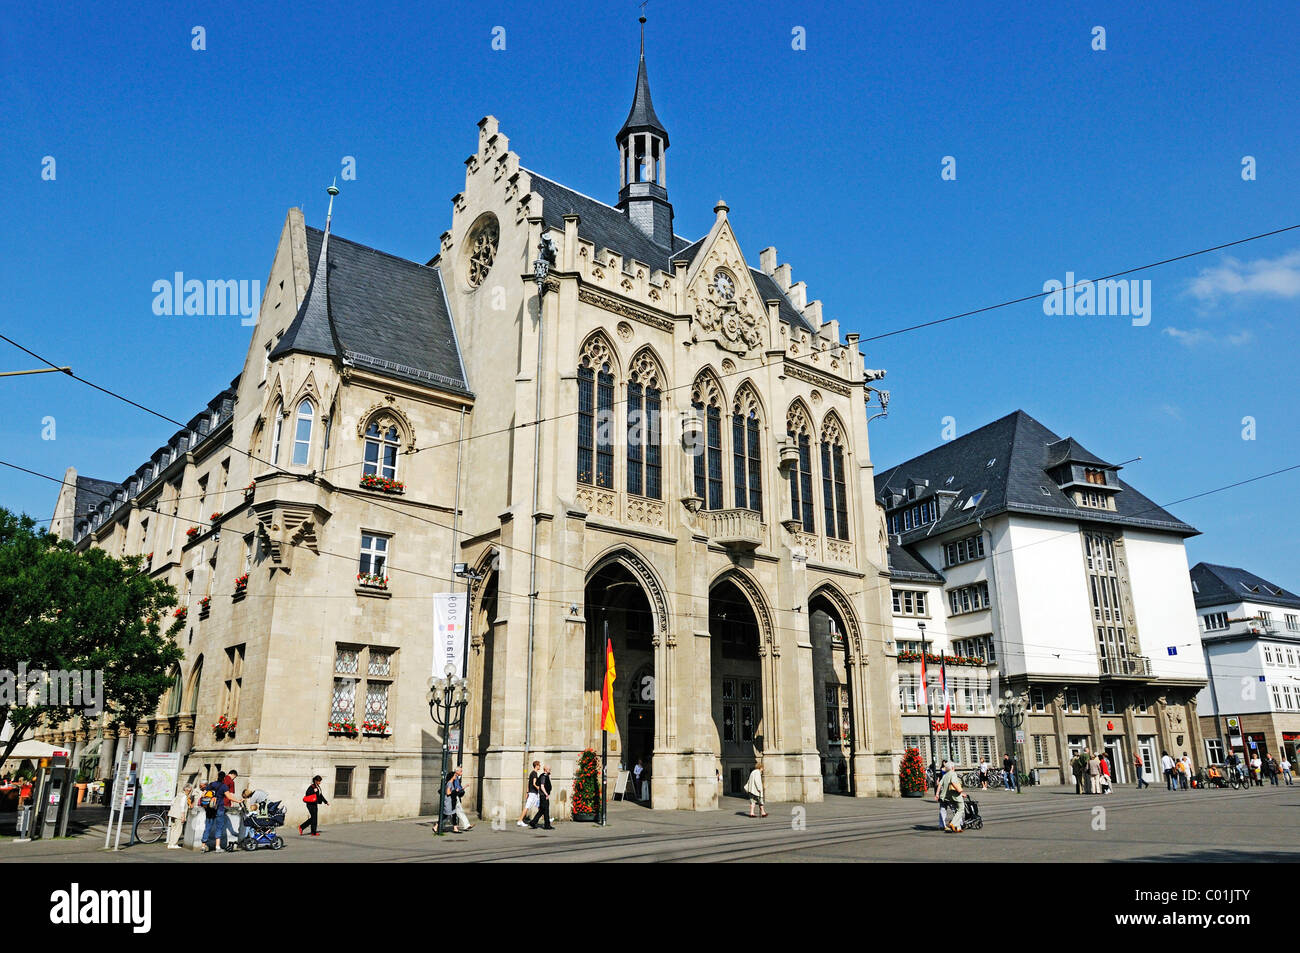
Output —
(314, 798)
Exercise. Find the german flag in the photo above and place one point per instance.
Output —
(607, 694)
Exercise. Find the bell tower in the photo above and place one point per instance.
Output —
(642, 177)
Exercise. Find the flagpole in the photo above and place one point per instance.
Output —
(947, 704)
(604, 743)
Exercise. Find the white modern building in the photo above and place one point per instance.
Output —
(1250, 631)
(1069, 583)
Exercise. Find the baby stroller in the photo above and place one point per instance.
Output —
(260, 825)
(971, 819)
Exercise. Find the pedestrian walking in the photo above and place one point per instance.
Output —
(313, 798)
(1139, 768)
(530, 800)
(1167, 766)
(1009, 771)
(1104, 764)
(543, 799)
(984, 773)
(1079, 765)
(1271, 768)
(754, 788)
(1286, 769)
(455, 793)
(943, 808)
(950, 799)
(1256, 767)
(176, 815)
(1094, 774)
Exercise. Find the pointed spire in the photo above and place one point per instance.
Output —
(641, 117)
(312, 330)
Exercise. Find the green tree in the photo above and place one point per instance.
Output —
(63, 610)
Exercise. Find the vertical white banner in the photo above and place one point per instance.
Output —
(448, 633)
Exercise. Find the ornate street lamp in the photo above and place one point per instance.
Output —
(1011, 712)
(445, 694)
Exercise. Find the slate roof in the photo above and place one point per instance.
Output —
(382, 312)
(607, 227)
(1001, 468)
(91, 493)
(1070, 449)
(1223, 585)
(905, 564)
(601, 224)
(641, 117)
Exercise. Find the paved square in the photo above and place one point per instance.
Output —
(1042, 825)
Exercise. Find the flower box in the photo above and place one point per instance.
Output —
(192, 532)
(241, 583)
(214, 517)
(224, 728)
(345, 728)
(373, 481)
(205, 602)
(181, 613)
(376, 728)
(372, 580)
(588, 816)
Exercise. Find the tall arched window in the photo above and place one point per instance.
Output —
(276, 433)
(596, 413)
(745, 453)
(302, 433)
(381, 452)
(834, 494)
(801, 502)
(706, 398)
(644, 395)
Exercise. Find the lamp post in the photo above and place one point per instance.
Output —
(925, 688)
(472, 579)
(1011, 712)
(446, 693)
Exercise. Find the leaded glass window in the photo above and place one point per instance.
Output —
(380, 662)
(377, 702)
(343, 705)
(346, 661)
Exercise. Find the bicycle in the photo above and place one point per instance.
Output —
(151, 827)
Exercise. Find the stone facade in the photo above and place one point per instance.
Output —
(734, 621)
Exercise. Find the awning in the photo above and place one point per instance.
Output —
(33, 749)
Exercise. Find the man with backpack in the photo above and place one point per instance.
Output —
(216, 794)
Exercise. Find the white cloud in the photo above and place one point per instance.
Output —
(1191, 337)
(1276, 277)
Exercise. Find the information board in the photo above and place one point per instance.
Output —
(159, 772)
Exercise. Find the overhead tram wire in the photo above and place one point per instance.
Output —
(870, 591)
(721, 374)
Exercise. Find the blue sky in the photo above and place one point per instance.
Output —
(1067, 159)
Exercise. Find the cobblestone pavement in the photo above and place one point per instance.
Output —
(1041, 825)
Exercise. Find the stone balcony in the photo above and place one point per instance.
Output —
(735, 528)
(1135, 666)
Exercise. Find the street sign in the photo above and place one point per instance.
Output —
(1020, 736)
(453, 740)
(1232, 723)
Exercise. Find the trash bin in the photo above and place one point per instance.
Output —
(24, 830)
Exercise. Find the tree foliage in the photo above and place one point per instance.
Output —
(63, 610)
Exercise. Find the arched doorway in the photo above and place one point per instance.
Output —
(483, 643)
(832, 693)
(737, 683)
(617, 608)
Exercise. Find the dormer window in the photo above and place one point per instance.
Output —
(1095, 476)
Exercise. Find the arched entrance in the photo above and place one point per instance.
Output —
(737, 683)
(483, 646)
(617, 608)
(832, 693)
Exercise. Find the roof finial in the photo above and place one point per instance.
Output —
(642, 21)
(333, 190)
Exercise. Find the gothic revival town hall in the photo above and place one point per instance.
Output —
(621, 429)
